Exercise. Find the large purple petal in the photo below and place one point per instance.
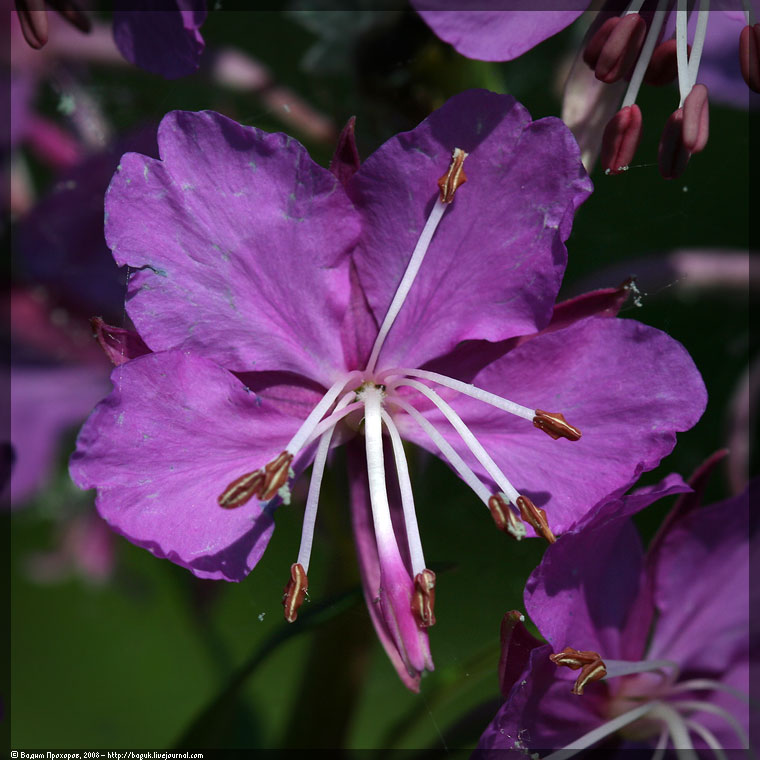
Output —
(165, 42)
(628, 387)
(495, 263)
(702, 587)
(491, 34)
(243, 242)
(160, 449)
(580, 594)
(45, 402)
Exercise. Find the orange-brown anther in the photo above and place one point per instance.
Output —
(555, 425)
(276, 475)
(535, 517)
(423, 598)
(263, 483)
(591, 665)
(295, 592)
(506, 520)
(454, 177)
(242, 490)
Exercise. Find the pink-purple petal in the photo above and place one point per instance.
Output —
(160, 449)
(242, 243)
(708, 553)
(495, 263)
(627, 386)
(496, 32)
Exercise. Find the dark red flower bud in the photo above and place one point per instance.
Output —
(34, 23)
(673, 156)
(749, 56)
(594, 46)
(621, 49)
(621, 138)
(663, 65)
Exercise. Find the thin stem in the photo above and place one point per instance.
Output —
(616, 668)
(702, 684)
(597, 734)
(469, 439)
(645, 56)
(341, 410)
(407, 497)
(407, 280)
(448, 451)
(662, 744)
(470, 390)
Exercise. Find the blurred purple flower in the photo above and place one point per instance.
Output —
(285, 313)
(670, 628)
(165, 41)
(160, 37)
(647, 42)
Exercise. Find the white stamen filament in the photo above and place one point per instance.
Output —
(646, 55)
(312, 500)
(700, 706)
(407, 280)
(699, 41)
(407, 497)
(469, 439)
(634, 7)
(599, 733)
(682, 52)
(373, 436)
(662, 744)
(302, 435)
(679, 733)
(617, 668)
(470, 390)
(342, 409)
(707, 684)
(448, 451)
(708, 737)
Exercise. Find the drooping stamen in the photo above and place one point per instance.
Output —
(708, 737)
(603, 731)
(454, 177)
(620, 140)
(555, 425)
(295, 592)
(263, 483)
(407, 497)
(536, 518)
(679, 734)
(468, 438)
(709, 707)
(315, 485)
(423, 599)
(707, 684)
(414, 264)
(699, 41)
(590, 664)
(448, 451)
(467, 389)
(682, 55)
(506, 520)
(667, 668)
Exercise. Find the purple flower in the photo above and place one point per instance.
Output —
(288, 310)
(647, 43)
(658, 643)
(166, 41)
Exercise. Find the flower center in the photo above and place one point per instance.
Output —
(379, 398)
(649, 701)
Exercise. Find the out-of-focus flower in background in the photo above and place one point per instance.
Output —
(625, 47)
(656, 645)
